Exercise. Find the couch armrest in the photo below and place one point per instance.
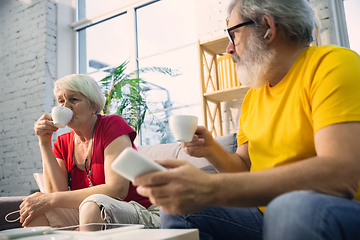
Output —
(7, 205)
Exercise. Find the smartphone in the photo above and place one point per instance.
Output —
(130, 164)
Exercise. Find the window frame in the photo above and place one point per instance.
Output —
(130, 11)
(339, 30)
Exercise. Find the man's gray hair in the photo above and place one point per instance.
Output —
(293, 17)
(85, 85)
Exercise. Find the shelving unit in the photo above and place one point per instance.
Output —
(212, 95)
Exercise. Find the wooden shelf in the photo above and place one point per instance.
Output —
(212, 95)
(216, 46)
(226, 94)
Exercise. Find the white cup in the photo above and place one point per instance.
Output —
(61, 116)
(183, 127)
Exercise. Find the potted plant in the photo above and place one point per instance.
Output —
(125, 94)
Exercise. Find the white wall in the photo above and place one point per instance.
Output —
(331, 18)
(211, 16)
(27, 70)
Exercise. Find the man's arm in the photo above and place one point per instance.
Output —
(224, 162)
(204, 145)
(335, 170)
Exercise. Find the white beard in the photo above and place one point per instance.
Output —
(253, 67)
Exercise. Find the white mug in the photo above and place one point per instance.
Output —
(183, 127)
(61, 116)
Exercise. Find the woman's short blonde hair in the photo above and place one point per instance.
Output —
(84, 84)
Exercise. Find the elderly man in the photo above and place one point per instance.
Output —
(296, 171)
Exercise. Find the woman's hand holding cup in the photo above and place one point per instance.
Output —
(47, 124)
(44, 128)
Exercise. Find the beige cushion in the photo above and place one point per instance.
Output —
(40, 181)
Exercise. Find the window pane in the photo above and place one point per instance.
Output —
(165, 25)
(88, 8)
(352, 8)
(167, 38)
(179, 95)
(104, 44)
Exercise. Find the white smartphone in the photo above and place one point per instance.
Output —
(130, 163)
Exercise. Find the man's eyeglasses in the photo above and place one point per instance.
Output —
(235, 27)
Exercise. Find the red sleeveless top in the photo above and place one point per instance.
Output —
(107, 129)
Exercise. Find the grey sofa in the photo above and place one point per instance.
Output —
(154, 152)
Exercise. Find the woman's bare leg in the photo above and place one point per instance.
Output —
(39, 221)
(90, 213)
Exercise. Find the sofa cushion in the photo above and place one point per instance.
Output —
(39, 178)
(227, 142)
(160, 151)
(198, 162)
(174, 151)
(7, 205)
(209, 169)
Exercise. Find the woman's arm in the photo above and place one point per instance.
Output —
(54, 170)
(115, 185)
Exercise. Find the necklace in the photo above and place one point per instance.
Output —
(88, 172)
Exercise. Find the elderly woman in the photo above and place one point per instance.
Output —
(80, 185)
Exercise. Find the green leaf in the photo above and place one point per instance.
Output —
(125, 94)
(118, 90)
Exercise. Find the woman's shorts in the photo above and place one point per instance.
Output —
(111, 210)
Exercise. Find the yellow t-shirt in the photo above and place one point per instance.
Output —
(279, 123)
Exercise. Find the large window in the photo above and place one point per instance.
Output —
(91, 8)
(164, 37)
(102, 45)
(167, 38)
(352, 8)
